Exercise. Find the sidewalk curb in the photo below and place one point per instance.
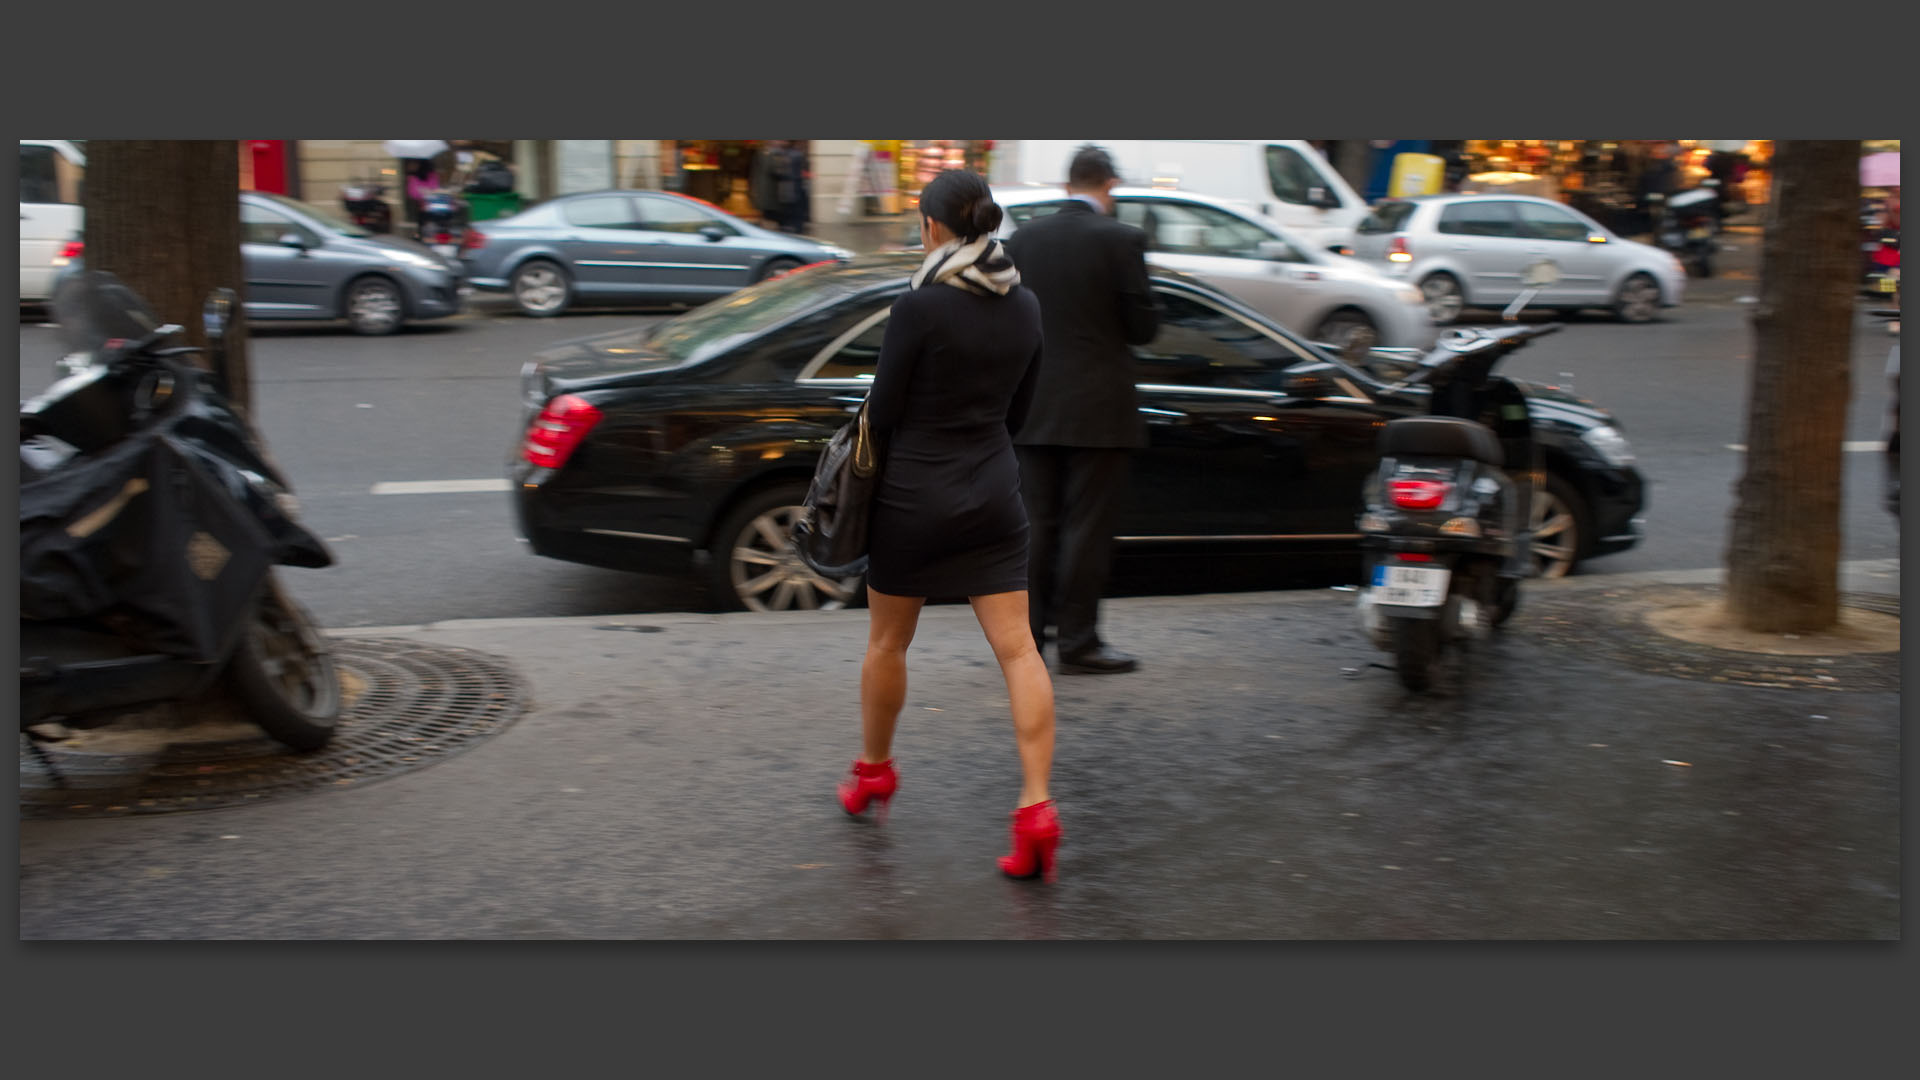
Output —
(1864, 576)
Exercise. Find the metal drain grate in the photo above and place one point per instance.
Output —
(408, 706)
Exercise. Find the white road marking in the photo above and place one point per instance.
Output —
(440, 487)
(1850, 447)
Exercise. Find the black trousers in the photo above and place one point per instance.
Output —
(1073, 498)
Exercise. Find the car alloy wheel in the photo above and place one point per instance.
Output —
(1556, 529)
(1639, 300)
(769, 575)
(1443, 297)
(373, 307)
(541, 288)
(1344, 328)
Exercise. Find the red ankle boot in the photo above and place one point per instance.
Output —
(1036, 834)
(865, 783)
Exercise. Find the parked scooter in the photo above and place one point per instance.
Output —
(150, 521)
(443, 223)
(1443, 534)
(1686, 226)
(366, 204)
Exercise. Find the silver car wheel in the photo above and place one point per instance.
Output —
(540, 288)
(374, 307)
(1639, 299)
(1443, 297)
(768, 575)
(1556, 534)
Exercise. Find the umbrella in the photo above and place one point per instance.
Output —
(1880, 170)
(414, 148)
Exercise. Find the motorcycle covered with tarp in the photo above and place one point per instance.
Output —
(150, 524)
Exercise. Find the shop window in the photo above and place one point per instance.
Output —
(601, 212)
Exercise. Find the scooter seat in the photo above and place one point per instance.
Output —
(1440, 436)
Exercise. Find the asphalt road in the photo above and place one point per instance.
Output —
(437, 402)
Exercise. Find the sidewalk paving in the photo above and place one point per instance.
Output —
(1256, 778)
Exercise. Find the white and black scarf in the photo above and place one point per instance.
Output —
(981, 266)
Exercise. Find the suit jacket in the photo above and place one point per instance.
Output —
(1089, 273)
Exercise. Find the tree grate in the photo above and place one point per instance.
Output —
(1616, 629)
(415, 705)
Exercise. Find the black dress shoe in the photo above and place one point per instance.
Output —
(1099, 660)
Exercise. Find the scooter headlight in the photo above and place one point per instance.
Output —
(1607, 441)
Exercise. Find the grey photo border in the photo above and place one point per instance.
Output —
(1341, 1009)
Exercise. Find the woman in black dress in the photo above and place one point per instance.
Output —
(956, 373)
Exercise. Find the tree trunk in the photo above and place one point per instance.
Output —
(1783, 557)
(163, 215)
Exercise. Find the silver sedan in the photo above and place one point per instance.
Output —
(633, 246)
(1313, 292)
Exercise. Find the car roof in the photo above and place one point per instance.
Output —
(1466, 196)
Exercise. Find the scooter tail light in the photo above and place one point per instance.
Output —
(558, 431)
(1418, 494)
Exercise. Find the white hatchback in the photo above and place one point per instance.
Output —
(50, 172)
(1317, 294)
(1469, 251)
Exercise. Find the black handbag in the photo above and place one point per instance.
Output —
(831, 532)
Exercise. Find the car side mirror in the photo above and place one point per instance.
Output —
(294, 240)
(714, 232)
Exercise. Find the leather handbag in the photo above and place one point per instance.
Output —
(830, 534)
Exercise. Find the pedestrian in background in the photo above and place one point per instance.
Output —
(763, 180)
(422, 181)
(1090, 274)
(796, 208)
(954, 379)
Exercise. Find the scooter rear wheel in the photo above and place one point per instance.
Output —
(283, 672)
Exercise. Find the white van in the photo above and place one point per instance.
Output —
(1283, 179)
(50, 173)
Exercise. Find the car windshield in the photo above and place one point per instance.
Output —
(759, 308)
(321, 216)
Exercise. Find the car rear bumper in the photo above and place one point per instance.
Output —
(545, 529)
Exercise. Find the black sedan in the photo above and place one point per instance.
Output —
(687, 446)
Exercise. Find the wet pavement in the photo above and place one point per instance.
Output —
(1258, 777)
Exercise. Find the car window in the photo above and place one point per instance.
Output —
(1181, 228)
(326, 216)
(1480, 219)
(601, 212)
(1026, 212)
(1386, 217)
(857, 359)
(1202, 346)
(39, 180)
(1550, 223)
(672, 215)
(1290, 175)
(259, 225)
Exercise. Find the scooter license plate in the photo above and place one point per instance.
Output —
(449, 250)
(1699, 234)
(1410, 586)
(1889, 284)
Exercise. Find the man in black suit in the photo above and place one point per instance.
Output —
(1089, 273)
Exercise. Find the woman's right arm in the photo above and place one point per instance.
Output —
(899, 348)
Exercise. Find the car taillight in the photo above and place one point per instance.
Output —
(557, 432)
(1399, 252)
(1418, 494)
(472, 241)
(72, 250)
(443, 238)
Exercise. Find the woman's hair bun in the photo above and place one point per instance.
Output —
(987, 216)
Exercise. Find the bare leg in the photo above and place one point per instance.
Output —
(1004, 618)
(883, 676)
